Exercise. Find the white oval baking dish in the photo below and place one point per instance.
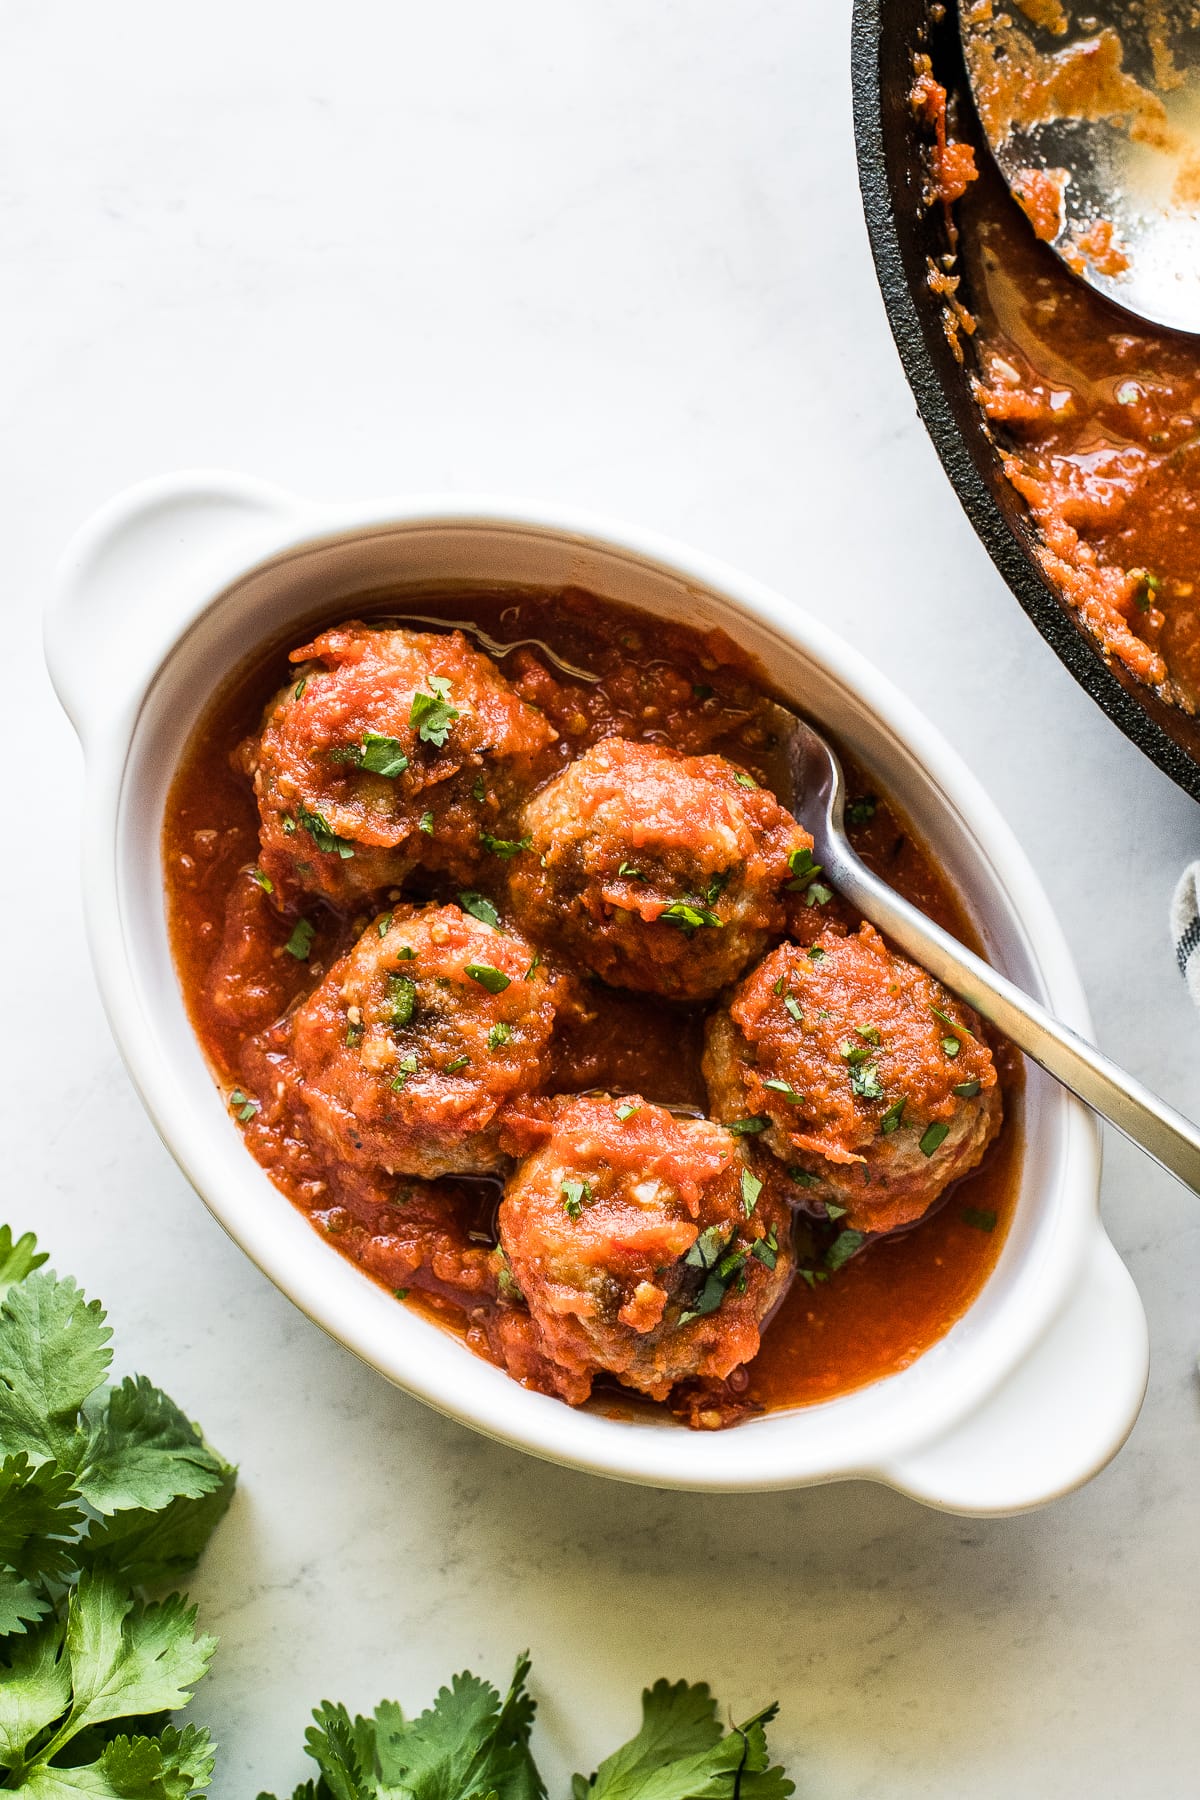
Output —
(172, 585)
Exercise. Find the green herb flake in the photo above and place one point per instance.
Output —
(456, 1063)
(853, 1053)
(786, 1089)
(804, 871)
(801, 1177)
(966, 1090)
(892, 1117)
(354, 1035)
(384, 925)
(425, 823)
(951, 1046)
(845, 1245)
(298, 690)
(862, 810)
(951, 1024)
(864, 1081)
(575, 1195)
(766, 1250)
(935, 1136)
(816, 954)
(407, 1066)
(432, 714)
(751, 1189)
(745, 781)
(533, 968)
(401, 1000)
(868, 1033)
(688, 918)
(494, 980)
(818, 895)
(629, 873)
(479, 907)
(505, 848)
(301, 940)
(746, 1127)
(382, 755)
(627, 1109)
(401, 1293)
(833, 1211)
(982, 1218)
(794, 1008)
(479, 789)
(264, 881)
(499, 1035)
(322, 833)
(244, 1106)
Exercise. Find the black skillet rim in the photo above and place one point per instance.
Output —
(890, 178)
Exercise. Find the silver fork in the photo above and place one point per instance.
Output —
(818, 798)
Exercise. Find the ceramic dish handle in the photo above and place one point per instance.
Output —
(128, 576)
(1056, 1420)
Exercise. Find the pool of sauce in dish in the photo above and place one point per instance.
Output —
(882, 1309)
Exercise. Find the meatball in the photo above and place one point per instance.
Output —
(861, 1073)
(389, 748)
(644, 1247)
(418, 1036)
(660, 872)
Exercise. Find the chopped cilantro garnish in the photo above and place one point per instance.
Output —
(384, 925)
(966, 1090)
(816, 954)
(630, 873)
(301, 940)
(751, 1189)
(494, 980)
(298, 690)
(792, 1006)
(951, 1046)
(868, 1033)
(747, 1127)
(354, 1035)
(533, 968)
(432, 713)
(479, 907)
(407, 1066)
(717, 886)
(982, 1218)
(744, 780)
(575, 1195)
(382, 755)
(853, 1053)
(800, 1176)
(864, 1081)
(935, 1135)
(627, 1109)
(766, 1250)
(786, 1089)
(425, 823)
(1148, 588)
(951, 1024)
(499, 1035)
(862, 810)
(891, 1119)
(833, 1211)
(401, 1293)
(456, 1063)
(479, 789)
(688, 918)
(244, 1106)
(845, 1245)
(505, 847)
(264, 881)
(322, 833)
(705, 1253)
(401, 999)
(818, 895)
(804, 870)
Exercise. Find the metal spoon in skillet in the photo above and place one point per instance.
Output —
(817, 797)
(1095, 125)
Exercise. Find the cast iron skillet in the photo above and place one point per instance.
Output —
(903, 234)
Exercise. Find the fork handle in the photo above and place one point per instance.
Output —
(1166, 1135)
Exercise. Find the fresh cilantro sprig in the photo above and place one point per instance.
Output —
(472, 1745)
(104, 1490)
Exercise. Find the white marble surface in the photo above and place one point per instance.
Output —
(611, 254)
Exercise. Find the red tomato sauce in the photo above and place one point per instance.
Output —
(658, 683)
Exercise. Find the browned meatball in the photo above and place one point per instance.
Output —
(388, 749)
(859, 1071)
(661, 872)
(643, 1245)
(417, 1037)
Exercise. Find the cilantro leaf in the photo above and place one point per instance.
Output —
(38, 1519)
(143, 1452)
(152, 1549)
(168, 1767)
(382, 755)
(432, 714)
(468, 1745)
(18, 1258)
(683, 1753)
(35, 1691)
(22, 1603)
(53, 1353)
(480, 907)
(128, 1658)
(688, 918)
